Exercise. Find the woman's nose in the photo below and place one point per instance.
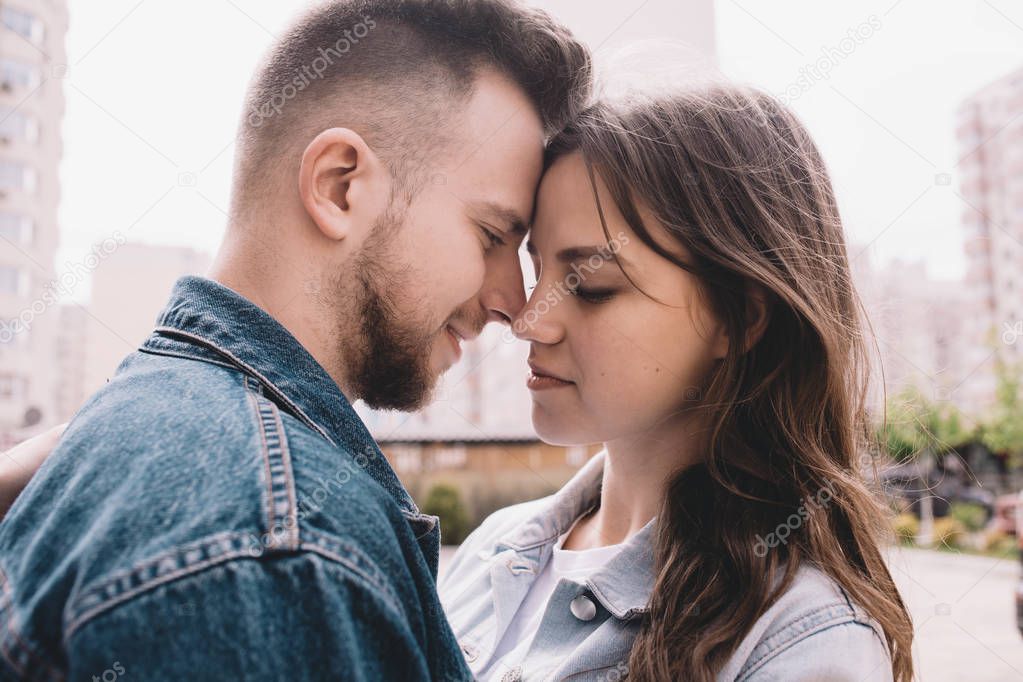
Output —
(537, 321)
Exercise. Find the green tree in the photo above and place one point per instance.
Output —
(915, 425)
(445, 501)
(1002, 430)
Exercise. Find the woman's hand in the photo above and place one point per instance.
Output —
(19, 463)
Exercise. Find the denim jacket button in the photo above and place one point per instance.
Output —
(513, 675)
(583, 608)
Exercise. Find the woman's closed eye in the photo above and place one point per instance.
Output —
(593, 294)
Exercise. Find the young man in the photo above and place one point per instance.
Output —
(218, 510)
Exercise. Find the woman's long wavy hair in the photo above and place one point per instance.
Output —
(734, 176)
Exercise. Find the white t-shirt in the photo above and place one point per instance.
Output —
(564, 563)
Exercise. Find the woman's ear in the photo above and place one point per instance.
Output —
(758, 312)
(342, 183)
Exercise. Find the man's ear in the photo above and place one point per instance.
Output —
(342, 183)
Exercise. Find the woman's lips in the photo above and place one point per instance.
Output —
(542, 382)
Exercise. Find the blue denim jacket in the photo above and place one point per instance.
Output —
(219, 511)
(814, 632)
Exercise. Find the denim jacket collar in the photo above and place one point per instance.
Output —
(207, 321)
(624, 584)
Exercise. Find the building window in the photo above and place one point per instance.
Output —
(16, 228)
(10, 280)
(452, 457)
(12, 387)
(13, 334)
(16, 175)
(25, 24)
(14, 125)
(15, 74)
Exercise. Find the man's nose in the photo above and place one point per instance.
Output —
(503, 294)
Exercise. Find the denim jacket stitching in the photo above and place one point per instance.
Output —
(163, 568)
(252, 371)
(820, 619)
(280, 502)
(351, 557)
(149, 350)
(607, 602)
(17, 651)
(356, 564)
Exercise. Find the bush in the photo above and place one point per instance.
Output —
(905, 527)
(972, 516)
(444, 501)
(998, 542)
(949, 532)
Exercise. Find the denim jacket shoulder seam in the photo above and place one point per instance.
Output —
(194, 559)
(348, 555)
(10, 637)
(163, 568)
(185, 356)
(280, 502)
(251, 371)
(843, 617)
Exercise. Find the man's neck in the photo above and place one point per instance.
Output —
(289, 300)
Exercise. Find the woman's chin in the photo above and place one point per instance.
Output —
(557, 429)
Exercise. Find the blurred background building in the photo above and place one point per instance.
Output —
(32, 62)
(991, 186)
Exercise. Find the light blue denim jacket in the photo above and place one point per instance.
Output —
(813, 632)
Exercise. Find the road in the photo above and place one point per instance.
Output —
(963, 614)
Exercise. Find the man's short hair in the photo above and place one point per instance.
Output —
(394, 71)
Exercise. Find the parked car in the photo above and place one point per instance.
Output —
(913, 480)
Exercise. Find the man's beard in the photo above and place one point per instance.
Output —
(390, 368)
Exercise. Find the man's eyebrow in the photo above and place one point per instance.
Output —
(511, 218)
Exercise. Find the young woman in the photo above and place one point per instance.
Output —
(694, 312)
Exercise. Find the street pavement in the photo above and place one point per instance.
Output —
(963, 613)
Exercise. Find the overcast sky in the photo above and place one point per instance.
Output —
(154, 90)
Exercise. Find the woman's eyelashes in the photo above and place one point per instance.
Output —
(592, 295)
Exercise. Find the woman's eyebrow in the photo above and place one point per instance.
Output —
(574, 254)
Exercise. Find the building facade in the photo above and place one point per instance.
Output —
(989, 131)
(32, 65)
